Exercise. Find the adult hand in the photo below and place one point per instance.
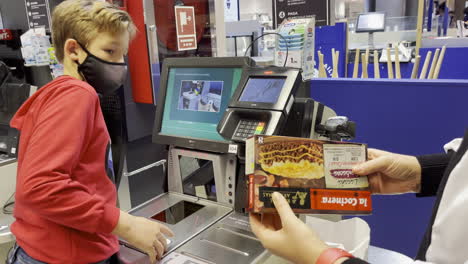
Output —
(285, 235)
(144, 234)
(390, 173)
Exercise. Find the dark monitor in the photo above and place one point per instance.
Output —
(370, 22)
(193, 96)
(266, 88)
(262, 90)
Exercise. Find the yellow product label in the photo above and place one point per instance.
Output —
(302, 169)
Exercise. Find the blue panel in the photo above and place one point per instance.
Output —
(454, 65)
(404, 116)
(326, 38)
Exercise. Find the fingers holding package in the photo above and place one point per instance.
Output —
(390, 173)
(285, 235)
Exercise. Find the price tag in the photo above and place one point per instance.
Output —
(232, 148)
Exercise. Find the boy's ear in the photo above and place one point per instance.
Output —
(72, 49)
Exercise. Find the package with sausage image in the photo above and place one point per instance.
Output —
(314, 176)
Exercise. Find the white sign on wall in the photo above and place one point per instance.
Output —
(231, 10)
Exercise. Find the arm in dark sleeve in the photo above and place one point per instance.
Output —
(355, 261)
(432, 170)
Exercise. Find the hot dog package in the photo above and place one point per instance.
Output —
(315, 176)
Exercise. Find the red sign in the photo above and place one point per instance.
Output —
(5, 34)
(185, 26)
(341, 200)
(187, 43)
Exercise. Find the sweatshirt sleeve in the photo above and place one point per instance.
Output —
(432, 171)
(45, 176)
(355, 261)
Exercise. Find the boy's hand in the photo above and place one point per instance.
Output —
(285, 235)
(390, 173)
(144, 234)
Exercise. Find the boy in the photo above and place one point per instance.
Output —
(65, 199)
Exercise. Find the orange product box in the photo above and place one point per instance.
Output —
(315, 176)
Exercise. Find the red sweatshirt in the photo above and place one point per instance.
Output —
(65, 206)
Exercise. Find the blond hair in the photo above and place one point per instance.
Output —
(83, 20)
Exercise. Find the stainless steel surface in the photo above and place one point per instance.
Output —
(153, 44)
(130, 256)
(224, 169)
(5, 233)
(191, 225)
(228, 241)
(147, 167)
(152, 40)
(6, 160)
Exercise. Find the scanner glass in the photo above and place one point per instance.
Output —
(177, 212)
(197, 177)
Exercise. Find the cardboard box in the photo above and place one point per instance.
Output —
(315, 176)
(299, 36)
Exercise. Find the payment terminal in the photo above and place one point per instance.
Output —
(261, 103)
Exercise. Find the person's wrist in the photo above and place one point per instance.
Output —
(333, 256)
(417, 171)
(311, 255)
(124, 225)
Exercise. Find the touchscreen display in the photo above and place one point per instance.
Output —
(177, 212)
(196, 99)
(262, 90)
(371, 21)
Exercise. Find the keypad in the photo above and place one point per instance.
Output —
(248, 128)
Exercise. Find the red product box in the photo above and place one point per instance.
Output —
(315, 176)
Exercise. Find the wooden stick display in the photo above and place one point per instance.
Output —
(397, 62)
(414, 73)
(367, 61)
(364, 66)
(439, 62)
(322, 72)
(356, 63)
(426, 65)
(389, 64)
(433, 64)
(376, 65)
(336, 55)
(419, 25)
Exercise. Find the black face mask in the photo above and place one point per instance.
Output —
(104, 76)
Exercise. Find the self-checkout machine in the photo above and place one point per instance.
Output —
(206, 191)
(202, 165)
